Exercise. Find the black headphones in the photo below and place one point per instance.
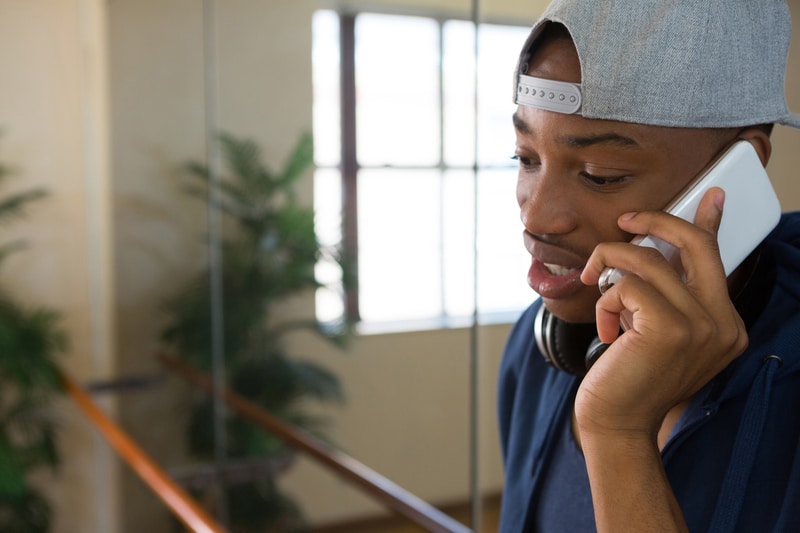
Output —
(570, 347)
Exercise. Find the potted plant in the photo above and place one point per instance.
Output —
(269, 251)
(30, 342)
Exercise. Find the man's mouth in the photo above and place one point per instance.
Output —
(552, 280)
(559, 270)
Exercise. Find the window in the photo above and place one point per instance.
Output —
(395, 121)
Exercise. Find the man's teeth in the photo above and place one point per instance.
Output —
(558, 270)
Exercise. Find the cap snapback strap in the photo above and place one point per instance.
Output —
(560, 96)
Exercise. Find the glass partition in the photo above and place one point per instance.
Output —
(225, 93)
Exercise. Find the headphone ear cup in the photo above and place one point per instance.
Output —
(594, 351)
(563, 344)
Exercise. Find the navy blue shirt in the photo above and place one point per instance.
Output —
(565, 499)
(733, 460)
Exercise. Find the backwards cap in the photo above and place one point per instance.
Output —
(684, 63)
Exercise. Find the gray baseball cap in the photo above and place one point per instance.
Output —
(684, 63)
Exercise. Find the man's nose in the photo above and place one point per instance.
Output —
(546, 204)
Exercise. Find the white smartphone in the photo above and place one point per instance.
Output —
(750, 212)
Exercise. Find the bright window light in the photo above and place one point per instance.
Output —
(417, 183)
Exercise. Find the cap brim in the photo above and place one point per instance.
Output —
(792, 119)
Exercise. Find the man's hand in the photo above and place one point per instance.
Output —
(681, 336)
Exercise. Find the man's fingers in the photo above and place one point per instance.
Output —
(709, 212)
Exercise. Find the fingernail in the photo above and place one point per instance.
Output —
(627, 216)
(719, 199)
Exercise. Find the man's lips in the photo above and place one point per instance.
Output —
(554, 281)
(555, 272)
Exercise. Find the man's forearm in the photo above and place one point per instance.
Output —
(630, 490)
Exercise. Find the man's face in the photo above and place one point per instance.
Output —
(577, 176)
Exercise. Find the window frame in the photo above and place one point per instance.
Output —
(350, 168)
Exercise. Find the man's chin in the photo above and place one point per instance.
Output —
(574, 312)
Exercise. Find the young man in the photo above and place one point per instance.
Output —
(690, 419)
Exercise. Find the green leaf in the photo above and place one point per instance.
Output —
(30, 342)
(14, 206)
(12, 473)
(300, 160)
(28, 512)
(269, 254)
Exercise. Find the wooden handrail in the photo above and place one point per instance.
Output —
(178, 501)
(378, 486)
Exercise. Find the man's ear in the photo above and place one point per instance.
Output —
(759, 138)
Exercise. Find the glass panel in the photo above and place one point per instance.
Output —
(502, 285)
(397, 80)
(498, 50)
(399, 244)
(327, 221)
(416, 227)
(158, 118)
(458, 230)
(459, 94)
(416, 230)
(503, 262)
(386, 198)
(327, 88)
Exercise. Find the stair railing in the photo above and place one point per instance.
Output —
(171, 494)
(376, 485)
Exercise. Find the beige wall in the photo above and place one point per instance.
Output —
(53, 112)
(406, 414)
(784, 166)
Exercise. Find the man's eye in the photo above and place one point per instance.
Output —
(524, 162)
(599, 180)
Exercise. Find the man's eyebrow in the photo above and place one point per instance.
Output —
(581, 141)
(520, 124)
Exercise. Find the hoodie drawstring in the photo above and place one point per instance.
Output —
(745, 448)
